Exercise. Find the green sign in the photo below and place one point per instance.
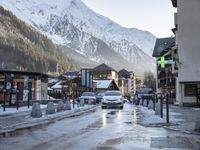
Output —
(162, 62)
(176, 59)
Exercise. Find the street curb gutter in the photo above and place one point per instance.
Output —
(37, 123)
(183, 131)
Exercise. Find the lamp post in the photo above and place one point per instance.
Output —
(4, 100)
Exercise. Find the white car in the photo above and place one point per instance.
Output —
(88, 97)
(112, 99)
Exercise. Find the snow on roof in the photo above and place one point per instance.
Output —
(52, 80)
(49, 89)
(103, 84)
(163, 44)
(57, 85)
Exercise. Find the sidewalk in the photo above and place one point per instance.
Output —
(189, 115)
(182, 119)
(13, 120)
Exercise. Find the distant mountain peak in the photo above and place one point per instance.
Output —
(71, 23)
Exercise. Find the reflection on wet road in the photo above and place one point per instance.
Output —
(108, 129)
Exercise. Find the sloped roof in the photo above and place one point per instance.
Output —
(103, 67)
(103, 84)
(52, 81)
(72, 73)
(163, 44)
(50, 89)
(58, 85)
(124, 73)
(23, 72)
(174, 3)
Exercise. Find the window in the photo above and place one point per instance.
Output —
(190, 90)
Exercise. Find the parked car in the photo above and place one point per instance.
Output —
(88, 97)
(99, 96)
(112, 99)
(143, 93)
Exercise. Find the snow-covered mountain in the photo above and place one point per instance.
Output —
(71, 23)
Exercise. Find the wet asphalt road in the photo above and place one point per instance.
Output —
(109, 129)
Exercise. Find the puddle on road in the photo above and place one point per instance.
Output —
(113, 141)
(109, 144)
(112, 112)
(104, 148)
(128, 122)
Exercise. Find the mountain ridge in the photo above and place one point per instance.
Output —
(78, 24)
(24, 48)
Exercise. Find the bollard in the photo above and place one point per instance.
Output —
(28, 101)
(36, 111)
(161, 106)
(67, 105)
(145, 103)
(60, 106)
(167, 108)
(4, 102)
(78, 104)
(73, 103)
(157, 108)
(154, 101)
(50, 108)
(17, 100)
(151, 104)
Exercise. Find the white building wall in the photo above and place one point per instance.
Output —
(114, 76)
(188, 39)
(129, 85)
(134, 85)
(44, 94)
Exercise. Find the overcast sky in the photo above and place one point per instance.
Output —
(156, 16)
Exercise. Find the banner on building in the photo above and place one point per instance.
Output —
(86, 78)
(38, 89)
(25, 90)
(83, 80)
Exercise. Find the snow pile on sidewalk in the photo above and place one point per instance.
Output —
(45, 119)
(10, 111)
(150, 119)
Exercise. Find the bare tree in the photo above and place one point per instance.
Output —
(150, 80)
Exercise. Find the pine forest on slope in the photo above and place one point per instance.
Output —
(22, 47)
(87, 35)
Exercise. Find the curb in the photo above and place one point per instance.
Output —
(12, 130)
(182, 131)
(169, 127)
